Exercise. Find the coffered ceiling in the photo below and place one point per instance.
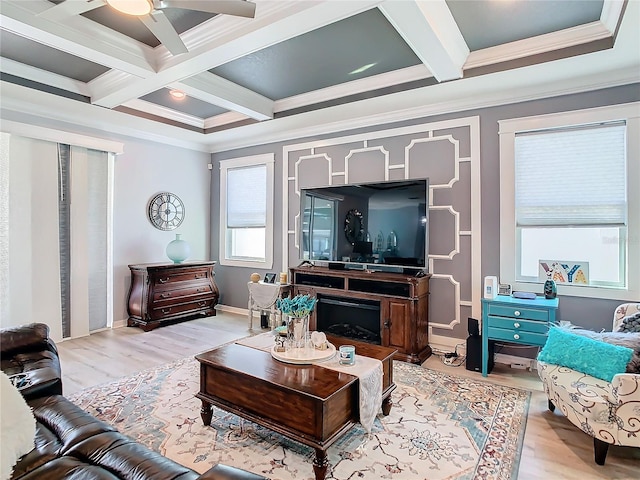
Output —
(298, 57)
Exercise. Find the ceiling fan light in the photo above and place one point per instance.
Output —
(132, 7)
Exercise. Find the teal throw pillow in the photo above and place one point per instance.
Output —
(598, 359)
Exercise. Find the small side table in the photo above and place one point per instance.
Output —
(263, 296)
(516, 320)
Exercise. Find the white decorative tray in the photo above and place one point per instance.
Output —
(302, 356)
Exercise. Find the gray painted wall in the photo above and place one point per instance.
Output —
(591, 313)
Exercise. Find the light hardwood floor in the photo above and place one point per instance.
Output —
(553, 449)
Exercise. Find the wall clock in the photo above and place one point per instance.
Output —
(353, 226)
(166, 211)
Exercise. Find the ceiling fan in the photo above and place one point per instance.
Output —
(151, 15)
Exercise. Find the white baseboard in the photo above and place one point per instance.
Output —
(236, 310)
(120, 323)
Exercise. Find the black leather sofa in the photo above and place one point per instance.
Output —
(28, 350)
(69, 442)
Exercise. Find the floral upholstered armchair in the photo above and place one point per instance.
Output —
(608, 411)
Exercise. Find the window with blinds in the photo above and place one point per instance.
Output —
(571, 200)
(246, 194)
(246, 212)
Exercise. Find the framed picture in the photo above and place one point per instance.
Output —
(564, 272)
(269, 278)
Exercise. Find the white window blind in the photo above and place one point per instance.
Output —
(571, 176)
(247, 197)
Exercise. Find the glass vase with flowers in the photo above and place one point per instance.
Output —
(296, 312)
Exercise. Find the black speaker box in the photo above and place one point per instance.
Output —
(473, 327)
(336, 266)
(474, 354)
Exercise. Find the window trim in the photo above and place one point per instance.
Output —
(267, 159)
(629, 112)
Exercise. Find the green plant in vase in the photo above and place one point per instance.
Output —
(297, 310)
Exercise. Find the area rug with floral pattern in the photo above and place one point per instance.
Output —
(440, 427)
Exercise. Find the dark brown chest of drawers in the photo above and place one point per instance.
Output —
(163, 292)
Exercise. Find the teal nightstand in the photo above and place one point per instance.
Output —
(516, 320)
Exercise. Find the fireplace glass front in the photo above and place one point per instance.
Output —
(355, 318)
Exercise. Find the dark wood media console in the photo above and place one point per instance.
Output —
(399, 302)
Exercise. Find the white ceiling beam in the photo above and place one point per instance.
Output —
(225, 38)
(78, 36)
(221, 92)
(611, 13)
(429, 29)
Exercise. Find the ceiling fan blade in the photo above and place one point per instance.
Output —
(239, 8)
(69, 8)
(162, 29)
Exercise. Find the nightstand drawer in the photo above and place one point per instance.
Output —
(517, 336)
(518, 312)
(518, 325)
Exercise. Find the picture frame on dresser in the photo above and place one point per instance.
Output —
(269, 278)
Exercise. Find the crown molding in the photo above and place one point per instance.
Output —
(79, 117)
(375, 82)
(44, 77)
(223, 119)
(54, 135)
(165, 112)
(538, 45)
(448, 97)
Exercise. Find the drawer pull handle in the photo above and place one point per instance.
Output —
(163, 280)
(201, 289)
(166, 310)
(202, 304)
(200, 275)
(516, 336)
(517, 313)
(165, 295)
(516, 325)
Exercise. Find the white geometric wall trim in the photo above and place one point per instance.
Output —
(364, 150)
(456, 221)
(295, 231)
(302, 158)
(456, 157)
(444, 271)
(456, 293)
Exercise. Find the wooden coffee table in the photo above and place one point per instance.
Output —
(307, 403)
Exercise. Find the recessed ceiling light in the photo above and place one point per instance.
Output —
(132, 7)
(362, 69)
(178, 94)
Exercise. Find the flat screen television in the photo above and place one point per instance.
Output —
(380, 226)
